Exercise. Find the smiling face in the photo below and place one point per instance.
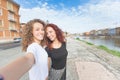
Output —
(38, 32)
(51, 33)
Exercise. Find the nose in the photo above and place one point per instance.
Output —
(48, 35)
(42, 32)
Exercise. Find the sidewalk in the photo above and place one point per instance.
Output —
(93, 71)
(6, 41)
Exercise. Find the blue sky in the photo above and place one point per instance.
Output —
(58, 4)
(74, 16)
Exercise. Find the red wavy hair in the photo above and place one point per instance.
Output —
(59, 34)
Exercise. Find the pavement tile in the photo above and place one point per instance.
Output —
(93, 71)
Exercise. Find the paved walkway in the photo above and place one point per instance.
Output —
(5, 41)
(82, 64)
(93, 71)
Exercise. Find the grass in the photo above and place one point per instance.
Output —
(85, 41)
(89, 43)
(113, 52)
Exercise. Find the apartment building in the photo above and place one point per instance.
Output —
(22, 25)
(9, 19)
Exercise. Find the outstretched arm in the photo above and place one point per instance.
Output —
(17, 68)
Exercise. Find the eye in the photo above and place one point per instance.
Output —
(37, 29)
(50, 31)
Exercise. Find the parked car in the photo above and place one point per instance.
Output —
(17, 40)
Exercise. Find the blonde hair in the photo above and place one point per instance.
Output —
(27, 36)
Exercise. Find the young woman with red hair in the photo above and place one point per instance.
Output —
(57, 52)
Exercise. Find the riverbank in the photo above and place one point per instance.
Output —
(112, 43)
(104, 53)
(113, 52)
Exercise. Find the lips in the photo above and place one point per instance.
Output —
(40, 36)
(51, 38)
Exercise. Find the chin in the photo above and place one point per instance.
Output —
(52, 40)
(40, 39)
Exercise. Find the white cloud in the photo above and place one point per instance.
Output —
(104, 14)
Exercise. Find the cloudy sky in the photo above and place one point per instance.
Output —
(74, 16)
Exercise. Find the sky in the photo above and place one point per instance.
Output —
(73, 16)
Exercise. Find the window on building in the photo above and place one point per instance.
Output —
(12, 25)
(0, 11)
(10, 16)
(9, 6)
(0, 23)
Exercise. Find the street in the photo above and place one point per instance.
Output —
(9, 45)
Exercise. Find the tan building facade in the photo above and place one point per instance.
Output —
(117, 31)
(9, 19)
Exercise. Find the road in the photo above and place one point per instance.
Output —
(4, 46)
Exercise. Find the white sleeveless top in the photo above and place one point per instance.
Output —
(39, 70)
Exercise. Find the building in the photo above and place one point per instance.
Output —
(105, 32)
(117, 31)
(92, 32)
(112, 32)
(9, 19)
(22, 25)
